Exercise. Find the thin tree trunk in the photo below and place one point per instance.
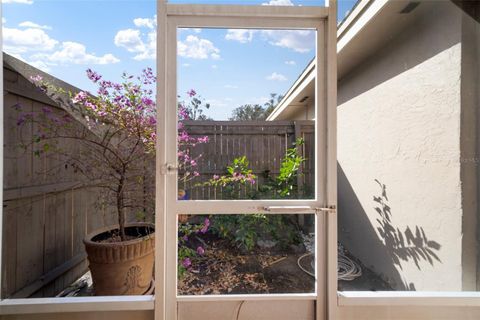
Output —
(121, 210)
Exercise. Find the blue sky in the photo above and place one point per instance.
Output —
(227, 67)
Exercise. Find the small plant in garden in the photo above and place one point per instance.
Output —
(188, 235)
(238, 174)
(286, 180)
(244, 231)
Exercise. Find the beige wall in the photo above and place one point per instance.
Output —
(401, 208)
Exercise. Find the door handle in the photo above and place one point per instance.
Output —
(298, 209)
(286, 209)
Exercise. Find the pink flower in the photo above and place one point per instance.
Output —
(92, 75)
(200, 251)
(147, 101)
(80, 97)
(206, 224)
(191, 93)
(196, 174)
(216, 177)
(193, 162)
(203, 140)
(36, 78)
(186, 262)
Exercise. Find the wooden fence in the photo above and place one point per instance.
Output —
(264, 143)
(45, 216)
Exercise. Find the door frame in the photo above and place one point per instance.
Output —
(323, 20)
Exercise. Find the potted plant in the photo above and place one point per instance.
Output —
(115, 151)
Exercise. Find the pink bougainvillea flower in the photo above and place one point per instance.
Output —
(192, 93)
(200, 251)
(206, 224)
(92, 75)
(187, 263)
(36, 78)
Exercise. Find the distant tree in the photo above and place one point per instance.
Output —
(272, 103)
(248, 112)
(252, 112)
(194, 106)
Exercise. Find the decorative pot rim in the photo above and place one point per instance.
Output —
(88, 238)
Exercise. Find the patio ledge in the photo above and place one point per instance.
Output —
(76, 304)
(408, 298)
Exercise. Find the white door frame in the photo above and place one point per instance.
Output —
(323, 20)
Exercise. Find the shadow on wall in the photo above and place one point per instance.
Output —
(383, 250)
(403, 246)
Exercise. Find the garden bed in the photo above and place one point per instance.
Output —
(225, 269)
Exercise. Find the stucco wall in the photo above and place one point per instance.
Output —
(400, 187)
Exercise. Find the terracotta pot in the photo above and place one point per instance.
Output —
(121, 268)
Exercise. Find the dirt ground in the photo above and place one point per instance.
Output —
(226, 270)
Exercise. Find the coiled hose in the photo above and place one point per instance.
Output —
(347, 269)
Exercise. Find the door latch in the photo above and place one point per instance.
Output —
(329, 209)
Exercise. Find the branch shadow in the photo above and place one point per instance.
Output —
(382, 248)
(409, 245)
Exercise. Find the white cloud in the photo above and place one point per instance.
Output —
(30, 24)
(278, 3)
(197, 48)
(146, 22)
(76, 53)
(4, 20)
(129, 39)
(276, 77)
(290, 63)
(229, 86)
(214, 66)
(298, 40)
(240, 35)
(133, 40)
(150, 48)
(18, 41)
(18, 1)
(186, 65)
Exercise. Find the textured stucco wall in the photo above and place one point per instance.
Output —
(400, 188)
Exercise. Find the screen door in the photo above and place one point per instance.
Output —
(229, 205)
